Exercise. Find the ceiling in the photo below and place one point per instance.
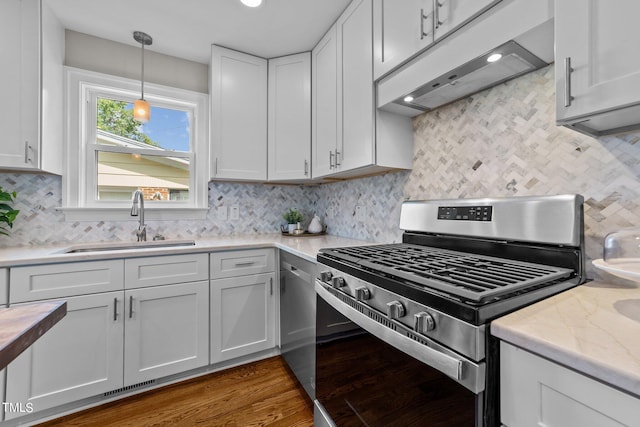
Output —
(187, 28)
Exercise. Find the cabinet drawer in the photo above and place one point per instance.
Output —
(242, 263)
(4, 286)
(165, 270)
(65, 280)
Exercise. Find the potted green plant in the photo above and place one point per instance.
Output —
(293, 218)
(7, 213)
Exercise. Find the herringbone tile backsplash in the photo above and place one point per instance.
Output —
(500, 142)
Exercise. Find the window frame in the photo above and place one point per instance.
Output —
(79, 201)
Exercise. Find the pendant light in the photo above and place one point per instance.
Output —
(141, 108)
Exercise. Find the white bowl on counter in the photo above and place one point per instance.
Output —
(628, 268)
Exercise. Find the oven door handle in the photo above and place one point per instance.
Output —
(444, 363)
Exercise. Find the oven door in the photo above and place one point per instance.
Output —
(363, 380)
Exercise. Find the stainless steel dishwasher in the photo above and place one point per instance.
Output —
(298, 318)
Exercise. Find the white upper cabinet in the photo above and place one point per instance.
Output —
(450, 15)
(289, 120)
(325, 138)
(401, 28)
(597, 65)
(32, 46)
(355, 83)
(353, 138)
(238, 115)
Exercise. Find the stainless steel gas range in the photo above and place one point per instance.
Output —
(402, 330)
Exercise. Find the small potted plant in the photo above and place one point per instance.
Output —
(293, 218)
(7, 213)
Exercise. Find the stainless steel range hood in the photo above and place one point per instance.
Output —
(457, 65)
(494, 67)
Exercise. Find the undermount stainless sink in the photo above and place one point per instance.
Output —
(123, 246)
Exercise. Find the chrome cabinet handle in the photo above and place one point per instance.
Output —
(422, 18)
(215, 167)
(306, 167)
(27, 148)
(337, 154)
(567, 82)
(130, 306)
(244, 264)
(271, 285)
(331, 160)
(115, 309)
(436, 14)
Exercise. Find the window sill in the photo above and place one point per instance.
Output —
(124, 214)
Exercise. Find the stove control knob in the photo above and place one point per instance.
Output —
(326, 276)
(338, 282)
(395, 310)
(362, 293)
(423, 322)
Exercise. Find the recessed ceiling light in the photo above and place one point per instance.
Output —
(251, 3)
(495, 57)
(408, 98)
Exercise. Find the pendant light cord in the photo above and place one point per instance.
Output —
(142, 74)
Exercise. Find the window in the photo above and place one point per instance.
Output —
(110, 155)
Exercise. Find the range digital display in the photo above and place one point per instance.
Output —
(465, 213)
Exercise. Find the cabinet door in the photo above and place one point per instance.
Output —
(325, 135)
(238, 115)
(601, 40)
(290, 117)
(401, 29)
(452, 14)
(167, 330)
(19, 83)
(355, 83)
(81, 356)
(536, 392)
(242, 316)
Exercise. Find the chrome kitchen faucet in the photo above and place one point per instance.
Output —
(142, 229)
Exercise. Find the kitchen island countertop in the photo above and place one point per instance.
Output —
(305, 247)
(593, 328)
(22, 325)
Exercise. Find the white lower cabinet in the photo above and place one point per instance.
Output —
(242, 316)
(537, 392)
(81, 356)
(134, 324)
(166, 331)
(110, 340)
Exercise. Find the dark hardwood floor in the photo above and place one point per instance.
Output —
(263, 393)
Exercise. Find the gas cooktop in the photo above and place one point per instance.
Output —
(471, 277)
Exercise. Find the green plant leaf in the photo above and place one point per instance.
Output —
(7, 214)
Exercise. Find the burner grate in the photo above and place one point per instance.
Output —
(472, 277)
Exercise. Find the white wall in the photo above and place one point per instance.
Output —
(118, 59)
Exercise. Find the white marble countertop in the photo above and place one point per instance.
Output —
(593, 328)
(305, 247)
